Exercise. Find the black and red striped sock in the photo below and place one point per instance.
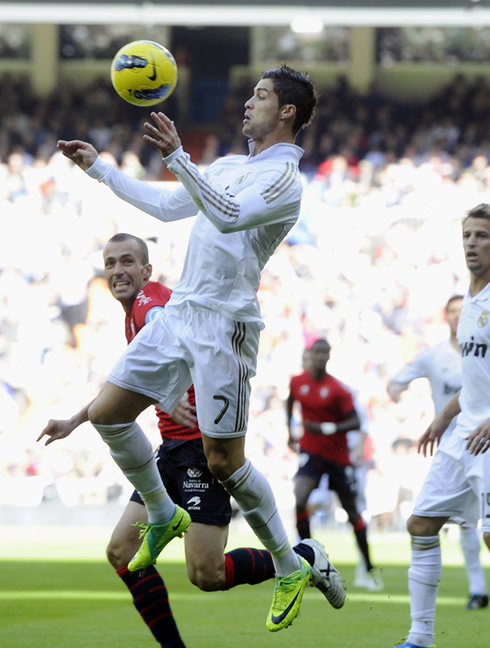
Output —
(249, 566)
(360, 531)
(252, 566)
(150, 598)
(303, 524)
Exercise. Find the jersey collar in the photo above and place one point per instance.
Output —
(287, 151)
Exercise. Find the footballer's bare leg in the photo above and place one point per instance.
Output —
(204, 554)
(125, 540)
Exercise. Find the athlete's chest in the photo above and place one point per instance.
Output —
(316, 395)
(474, 329)
(232, 180)
(445, 367)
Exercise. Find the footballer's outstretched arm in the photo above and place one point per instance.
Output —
(150, 198)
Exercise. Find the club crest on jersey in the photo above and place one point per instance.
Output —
(323, 392)
(483, 319)
(304, 389)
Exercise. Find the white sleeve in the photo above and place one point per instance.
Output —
(415, 369)
(151, 198)
(274, 196)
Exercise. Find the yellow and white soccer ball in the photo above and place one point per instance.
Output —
(144, 73)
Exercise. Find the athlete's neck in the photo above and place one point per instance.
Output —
(318, 374)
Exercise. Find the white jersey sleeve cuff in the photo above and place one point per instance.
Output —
(173, 156)
(99, 169)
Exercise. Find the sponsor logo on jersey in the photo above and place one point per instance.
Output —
(477, 349)
(194, 504)
(194, 472)
(195, 485)
(143, 299)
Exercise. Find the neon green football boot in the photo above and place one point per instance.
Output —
(156, 537)
(288, 593)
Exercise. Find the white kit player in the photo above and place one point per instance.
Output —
(209, 331)
(441, 365)
(458, 483)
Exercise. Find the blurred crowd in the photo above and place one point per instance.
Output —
(371, 264)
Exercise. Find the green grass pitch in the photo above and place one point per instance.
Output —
(57, 591)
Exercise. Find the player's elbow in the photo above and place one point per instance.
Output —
(227, 227)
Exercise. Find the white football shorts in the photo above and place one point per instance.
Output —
(453, 486)
(188, 344)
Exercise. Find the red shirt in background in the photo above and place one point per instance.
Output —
(321, 401)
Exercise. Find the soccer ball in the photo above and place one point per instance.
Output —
(143, 73)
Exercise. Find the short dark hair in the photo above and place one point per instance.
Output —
(143, 248)
(295, 88)
(320, 342)
(480, 211)
(451, 300)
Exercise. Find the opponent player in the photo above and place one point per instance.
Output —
(458, 482)
(208, 334)
(441, 365)
(328, 413)
(184, 471)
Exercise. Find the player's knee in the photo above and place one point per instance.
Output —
(207, 576)
(116, 555)
(98, 416)
(220, 465)
(420, 526)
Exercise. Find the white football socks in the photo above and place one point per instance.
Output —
(471, 544)
(255, 498)
(424, 575)
(131, 450)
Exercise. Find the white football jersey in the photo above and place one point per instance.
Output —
(245, 206)
(474, 340)
(441, 365)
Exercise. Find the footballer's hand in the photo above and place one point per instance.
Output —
(81, 153)
(429, 441)
(479, 440)
(162, 134)
(184, 414)
(56, 430)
